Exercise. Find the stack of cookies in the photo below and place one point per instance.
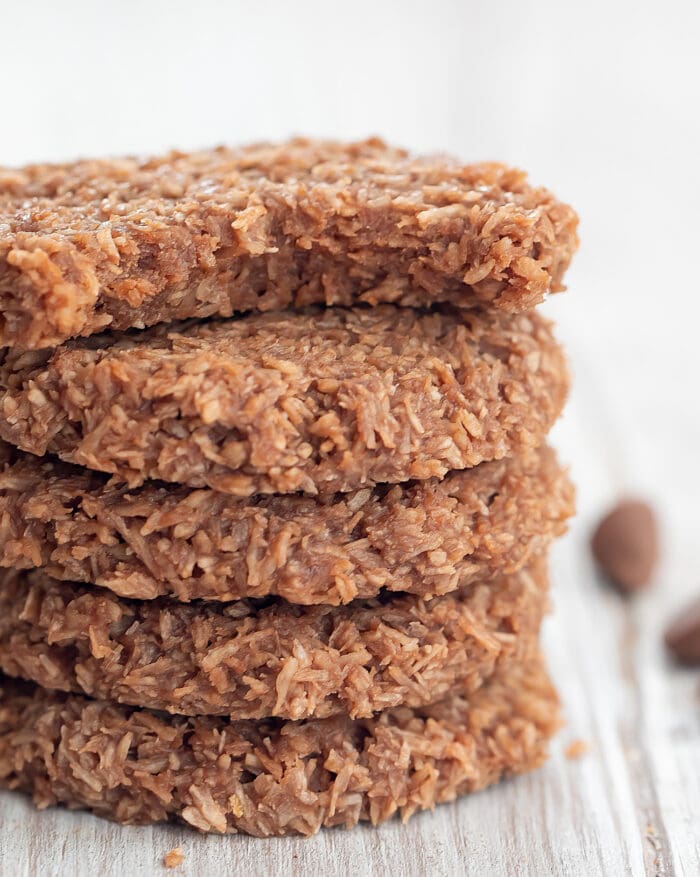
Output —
(275, 498)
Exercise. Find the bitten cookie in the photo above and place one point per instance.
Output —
(127, 243)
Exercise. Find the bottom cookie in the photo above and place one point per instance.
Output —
(271, 777)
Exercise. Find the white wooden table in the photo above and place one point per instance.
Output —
(631, 805)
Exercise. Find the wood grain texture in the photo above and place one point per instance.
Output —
(630, 805)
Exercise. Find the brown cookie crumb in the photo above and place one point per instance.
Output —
(682, 635)
(174, 858)
(576, 749)
(625, 545)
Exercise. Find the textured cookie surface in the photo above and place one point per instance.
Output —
(128, 243)
(316, 401)
(271, 777)
(245, 661)
(426, 537)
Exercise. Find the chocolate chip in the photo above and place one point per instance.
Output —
(625, 545)
(683, 635)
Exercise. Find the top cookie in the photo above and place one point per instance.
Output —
(131, 242)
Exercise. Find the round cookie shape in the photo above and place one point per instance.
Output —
(131, 242)
(424, 537)
(248, 662)
(318, 401)
(272, 778)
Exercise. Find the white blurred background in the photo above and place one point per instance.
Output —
(598, 100)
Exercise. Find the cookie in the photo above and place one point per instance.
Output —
(131, 242)
(271, 777)
(248, 661)
(318, 401)
(425, 537)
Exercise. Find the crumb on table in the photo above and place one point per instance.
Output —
(576, 749)
(174, 858)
